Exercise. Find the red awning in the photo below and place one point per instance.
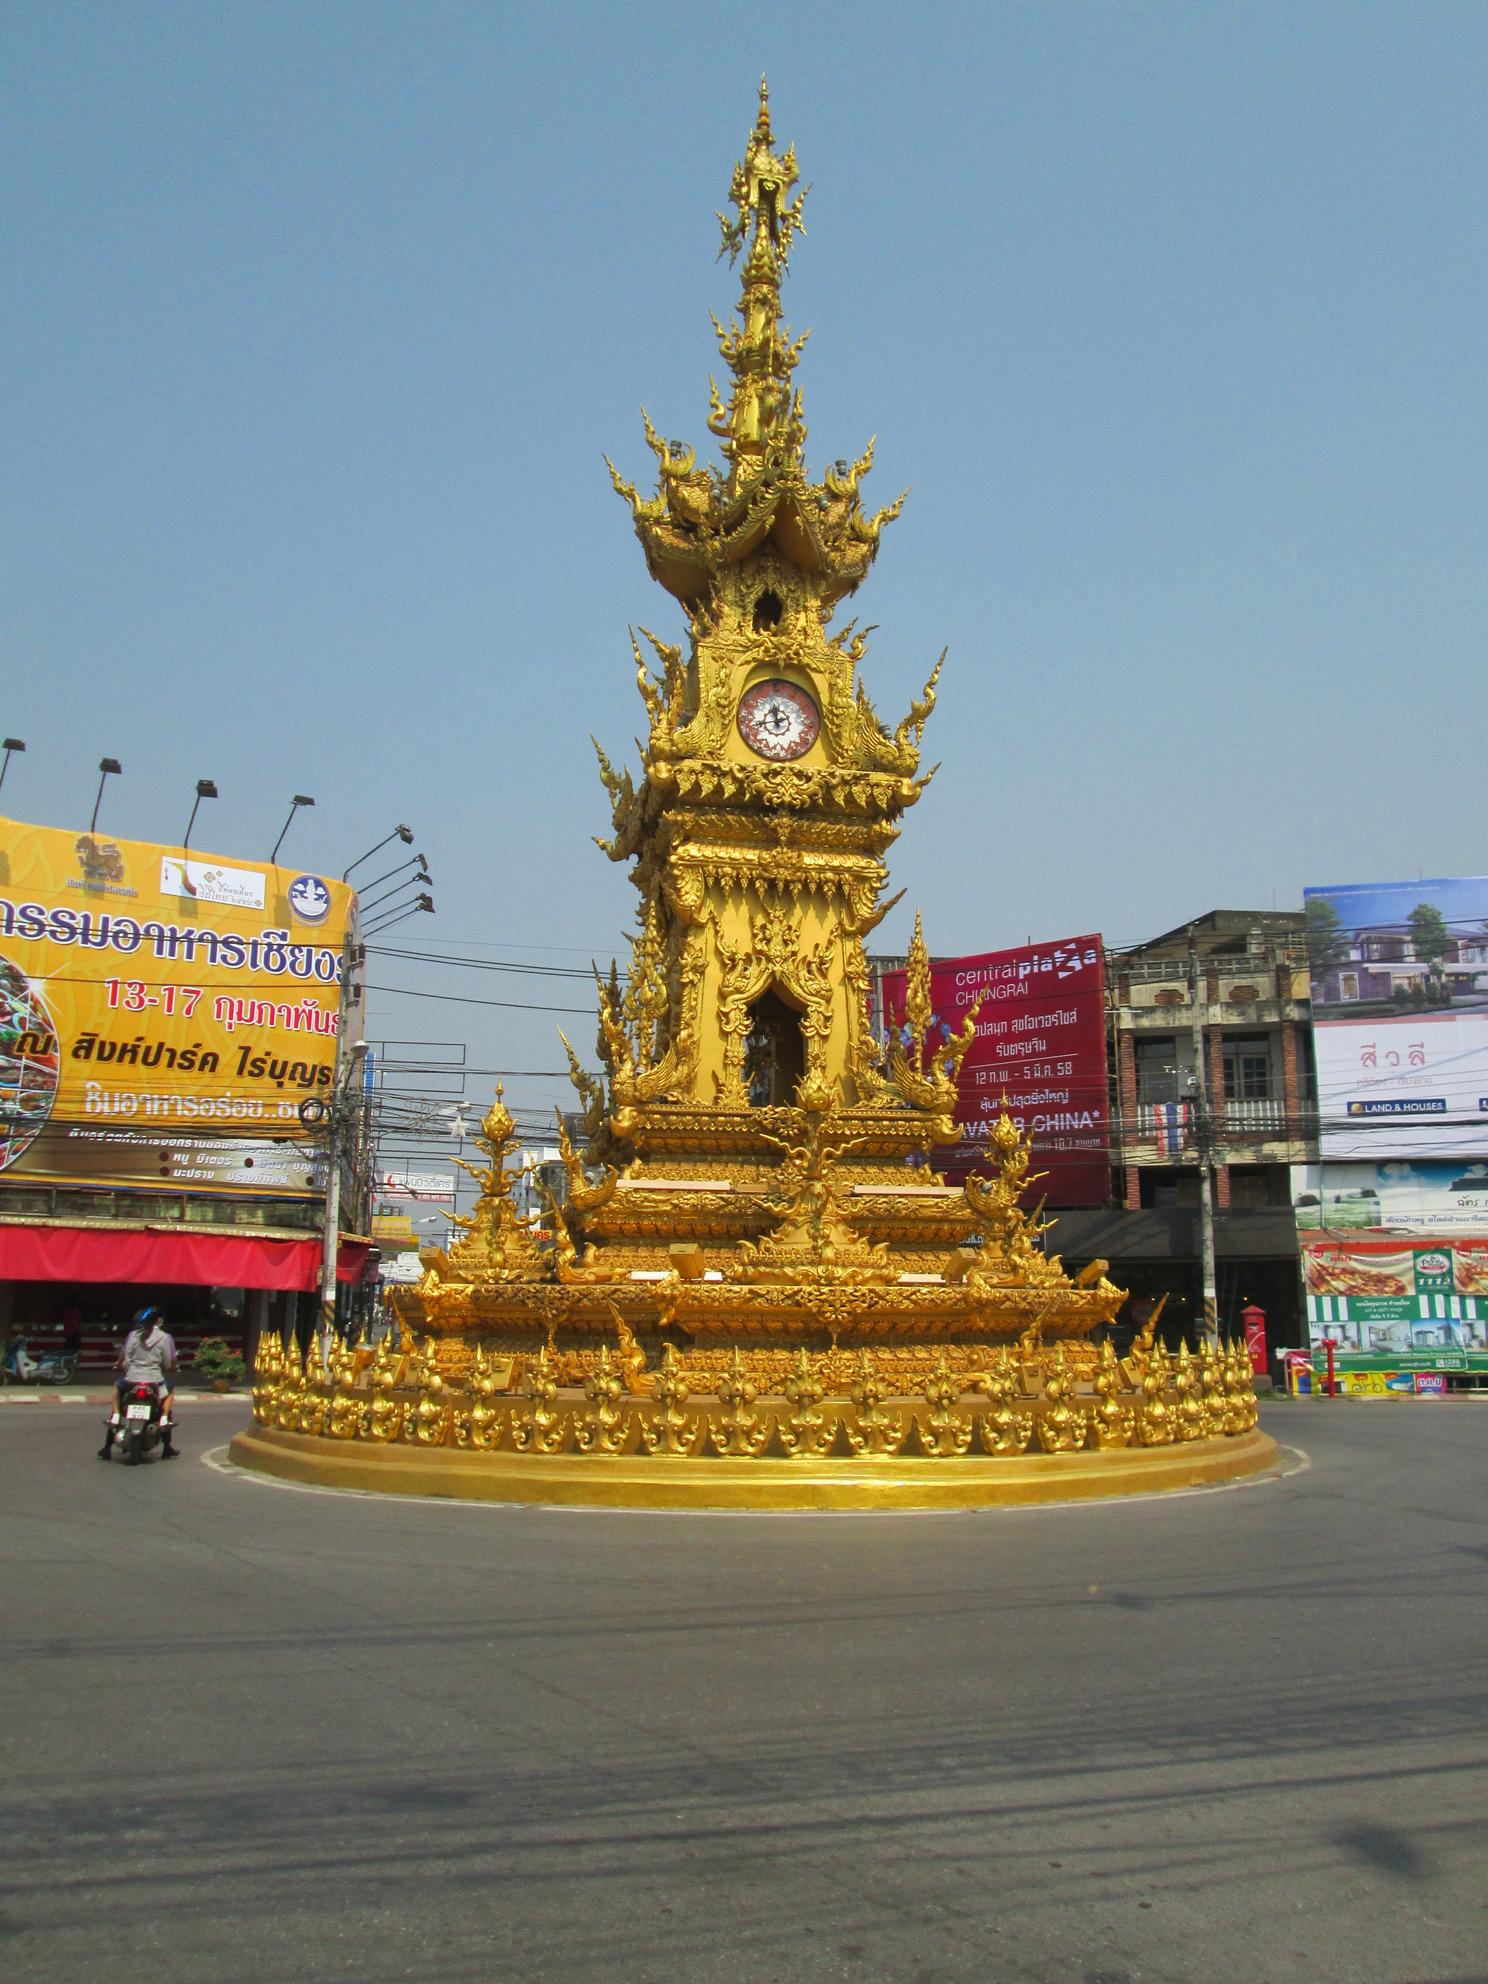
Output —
(201, 1260)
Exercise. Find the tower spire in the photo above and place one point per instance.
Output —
(702, 525)
(762, 418)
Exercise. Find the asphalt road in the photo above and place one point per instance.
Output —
(260, 1733)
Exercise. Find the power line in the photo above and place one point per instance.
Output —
(464, 999)
(481, 964)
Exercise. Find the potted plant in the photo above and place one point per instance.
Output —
(218, 1363)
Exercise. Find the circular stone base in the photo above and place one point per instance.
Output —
(647, 1481)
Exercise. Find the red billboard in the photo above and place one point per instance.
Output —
(1041, 1044)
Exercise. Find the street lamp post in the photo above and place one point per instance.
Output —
(368, 904)
(404, 834)
(424, 902)
(347, 1061)
(418, 861)
(459, 1129)
(9, 745)
(1199, 1103)
(205, 789)
(106, 766)
(300, 799)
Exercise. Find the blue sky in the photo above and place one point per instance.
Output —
(318, 320)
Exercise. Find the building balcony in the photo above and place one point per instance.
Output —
(1258, 1131)
(1178, 1014)
(1267, 1117)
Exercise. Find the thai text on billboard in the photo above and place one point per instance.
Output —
(165, 1020)
(1386, 1295)
(1400, 1017)
(404, 1182)
(1041, 1045)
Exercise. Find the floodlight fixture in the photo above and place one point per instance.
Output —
(106, 768)
(410, 882)
(205, 789)
(402, 833)
(417, 860)
(423, 903)
(300, 799)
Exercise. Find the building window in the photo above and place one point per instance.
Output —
(1348, 985)
(1247, 1068)
(1253, 1186)
(1169, 1191)
(1159, 1079)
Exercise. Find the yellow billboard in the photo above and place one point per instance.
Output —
(167, 1019)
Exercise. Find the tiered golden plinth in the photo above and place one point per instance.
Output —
(754, 1292)
(762, 1432)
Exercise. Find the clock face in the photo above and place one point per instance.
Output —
(778, 720)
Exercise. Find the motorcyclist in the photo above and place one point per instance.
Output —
(148, 1357)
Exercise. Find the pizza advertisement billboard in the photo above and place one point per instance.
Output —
(1400, 1017)
(1040, 1044)
(167, 1020)
(1391, 1297)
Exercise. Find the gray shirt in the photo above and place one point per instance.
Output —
(148, 1355)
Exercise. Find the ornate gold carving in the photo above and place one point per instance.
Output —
(869, 1429)
(738, 1429)
(1005, 1429)
(602, 1428)
(668, 1429)
(1188, 1417)
(752, 1404)
(540, 1427)
(1111, 1422)
(1061, 1426)
(806, 1430)
(1154, 1415)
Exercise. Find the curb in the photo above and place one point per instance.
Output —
(61, 1396)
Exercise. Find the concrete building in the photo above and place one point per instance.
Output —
(1225, 996)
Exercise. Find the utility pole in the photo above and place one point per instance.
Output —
(341, 1111)
(1200, 1106)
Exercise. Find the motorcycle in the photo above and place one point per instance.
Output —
(52, 1367)
(135, 1424)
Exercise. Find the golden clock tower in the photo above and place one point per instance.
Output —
(770, 790)
(749, 1299)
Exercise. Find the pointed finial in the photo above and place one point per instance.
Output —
(917, 1006)
(497, 1127)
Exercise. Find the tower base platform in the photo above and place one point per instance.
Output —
(686, 1482)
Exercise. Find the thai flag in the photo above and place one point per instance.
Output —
(1169, 1121)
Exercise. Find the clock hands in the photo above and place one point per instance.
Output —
(778, 720)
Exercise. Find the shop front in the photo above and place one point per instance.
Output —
(76, 1286)
(176, 1031)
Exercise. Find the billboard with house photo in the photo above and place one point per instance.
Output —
(1400, 1017)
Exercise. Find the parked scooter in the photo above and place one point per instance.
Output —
(52, 1367)
(136, 1425)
